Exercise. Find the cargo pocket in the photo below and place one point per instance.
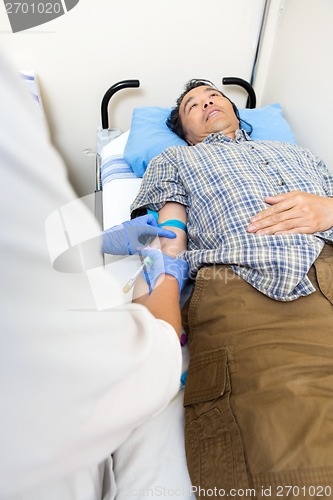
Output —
(214, 448)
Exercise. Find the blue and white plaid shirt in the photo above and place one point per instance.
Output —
(223, 183)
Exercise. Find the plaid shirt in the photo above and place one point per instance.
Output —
(223, 182)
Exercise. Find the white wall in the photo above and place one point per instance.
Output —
(296, 70)
(79, 55)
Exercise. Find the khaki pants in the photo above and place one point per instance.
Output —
(259, 392)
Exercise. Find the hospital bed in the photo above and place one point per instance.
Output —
(152, 461)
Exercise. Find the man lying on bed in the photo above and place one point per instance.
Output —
(259, 218)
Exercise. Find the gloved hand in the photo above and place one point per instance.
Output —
(164, 264)
(130, 235)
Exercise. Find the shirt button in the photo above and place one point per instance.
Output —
(281, 183)
(266, 162)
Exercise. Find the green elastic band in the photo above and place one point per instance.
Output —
(174, 223)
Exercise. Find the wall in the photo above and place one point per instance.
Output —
(296, 69)
(163, 44)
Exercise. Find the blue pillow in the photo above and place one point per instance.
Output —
(149, 134)
(268, 124)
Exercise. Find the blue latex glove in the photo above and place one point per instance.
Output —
(164, 264)
(126, 238)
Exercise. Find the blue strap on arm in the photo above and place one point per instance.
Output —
(174, 223)
(170, 222)
(155, 214)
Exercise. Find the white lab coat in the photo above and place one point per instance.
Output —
(74, 381)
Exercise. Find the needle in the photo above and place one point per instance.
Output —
(129, 285)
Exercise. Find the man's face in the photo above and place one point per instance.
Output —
(204, 111)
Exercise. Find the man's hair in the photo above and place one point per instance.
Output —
(174, 121)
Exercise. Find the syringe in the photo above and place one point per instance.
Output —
(147, 262)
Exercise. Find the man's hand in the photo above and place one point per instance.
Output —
(130, 236)
(294, 212)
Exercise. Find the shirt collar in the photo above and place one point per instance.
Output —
(240, 136)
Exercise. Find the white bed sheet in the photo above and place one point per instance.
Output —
(151, 463)
(118, 195)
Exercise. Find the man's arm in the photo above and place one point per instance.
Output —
(171, 210)
(294, 212)
(164, 301)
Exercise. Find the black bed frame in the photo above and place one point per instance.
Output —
(125, 84)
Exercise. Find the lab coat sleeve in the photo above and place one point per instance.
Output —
(74, 381)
